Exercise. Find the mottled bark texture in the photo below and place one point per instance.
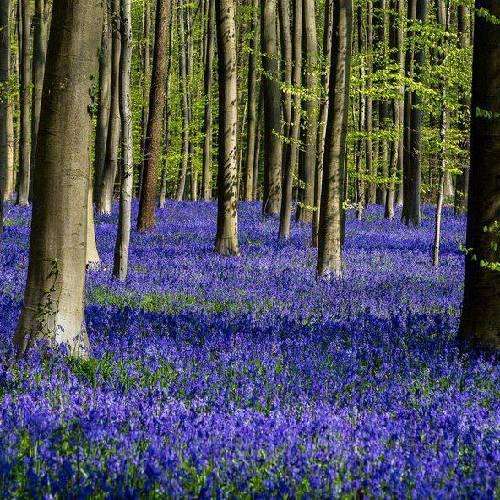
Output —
(53, 308)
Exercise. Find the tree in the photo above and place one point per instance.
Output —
(207, 90)
(227, 217)
(310, 128)
(4, 102)
(54, 295)
(272, 110)
(330, 224)
(24, 103)
(157, 96)
(108, 175)
(253, 96)
(120, 266)
(481, 307)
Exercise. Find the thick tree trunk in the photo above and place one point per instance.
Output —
(40, 22)
(292, 148)
(54, 296)
(157, 96)
(227, 215)
(330, 227)
(183, 81)
(305, 202)
(4, 106)
(481, 307)
(101, 133)
(108, 177)
(24, 104)
(120, 265)
(206, 182)
(272, 110)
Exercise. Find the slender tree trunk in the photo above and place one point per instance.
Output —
(227, 214)
(120, 265)
(157, 96)
(106, 191)
(292, 148)
(305, 204)
(54, 296)
(258, 143)
(207, 90)
(272, 110)
(24, 104)
(330, 227)
(101, 133)
(183, 80)
(399, 115)
(40, 22)
(4, 105)
(325, 76)
(462, 180)
(253, 96)
(370, 164)
(481, 311)
(92, 255)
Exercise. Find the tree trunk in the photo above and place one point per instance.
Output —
(92, 255)
(227, 216)
(253, 96)
(360, 183)
(106, 191)
(40, 21)
(325, 77)
(207, 90)
(24, 104)
(120, 265)
(272, 110)
(305, 200)
(53, 308)
(370, 164)
(157, 96)
(101, 133)
(4, 106)
(330, 227)
(481, 311)
(183, 81)
(292, 147)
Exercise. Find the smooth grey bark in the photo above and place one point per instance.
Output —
(183, 82)
(481, 306)
(157, 97)
(53, 308)
(330, 226)
(207, 90)
(120, 264)
(292, 149)
(252, 99)
(40, 24)
(272, 110)
(101, 133)
(305, 201)
(109, 173)
(370, 164)
(24, 103)
(226, 242)
(4, 105)
(92, 259)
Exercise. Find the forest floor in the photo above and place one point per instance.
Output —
(233, 376)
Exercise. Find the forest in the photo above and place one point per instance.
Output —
(249, 249)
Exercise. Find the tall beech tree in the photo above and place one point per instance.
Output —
(157, 97)
(272, 109)
(330, 222)
(54, 295)
(4, 103)
(108, 175)
(120, 265)
(227, 217)
(481, 311)
(24, 102)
